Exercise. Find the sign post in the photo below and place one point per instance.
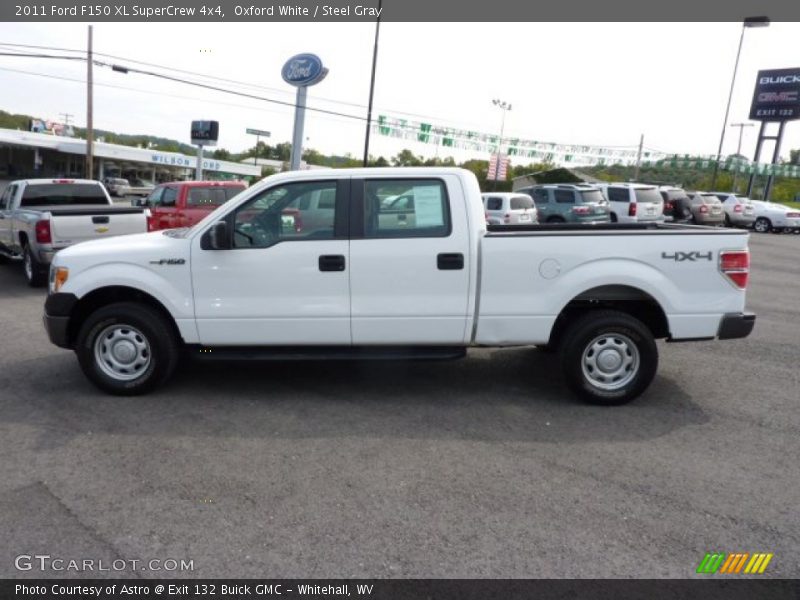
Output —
(258, 133)
(301, 71)
(776, 99)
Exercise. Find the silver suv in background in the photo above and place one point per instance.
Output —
(633, 202)
(739, 211)
(568, 203)
(506, 208)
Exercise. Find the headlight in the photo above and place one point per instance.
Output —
(58, 278)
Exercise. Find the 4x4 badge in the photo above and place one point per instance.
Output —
(692, 256)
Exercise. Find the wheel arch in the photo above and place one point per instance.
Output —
(624, 298)
(104, 296)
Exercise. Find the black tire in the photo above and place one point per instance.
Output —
(144, 332)
(728, 222)
(35, 272)
(613, 217)
(628, 339)
(555, 220)
(762, 225)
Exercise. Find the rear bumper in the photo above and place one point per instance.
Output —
(57, 309)
(736, 325)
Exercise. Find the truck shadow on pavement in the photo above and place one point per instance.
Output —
(508, 395)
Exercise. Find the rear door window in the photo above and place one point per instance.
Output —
(565, 196)
(541, 196)
(426, 212)
(616, 194)
(494, 203)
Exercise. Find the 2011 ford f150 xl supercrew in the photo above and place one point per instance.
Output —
(370, 280)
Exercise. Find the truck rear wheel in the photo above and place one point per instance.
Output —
(127, 348)
(608, 357)
(35, 272)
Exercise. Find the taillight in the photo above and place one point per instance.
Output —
(667, 206)
(703, 208)
(151, 222)
(43, 234)
(632, 209)
(581, 210)
(735, 265)
(738, 208)
(793, 215)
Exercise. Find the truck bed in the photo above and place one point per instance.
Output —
(608, 229)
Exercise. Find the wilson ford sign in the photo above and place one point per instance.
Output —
(777, 95)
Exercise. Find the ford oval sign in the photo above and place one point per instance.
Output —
(303, 70)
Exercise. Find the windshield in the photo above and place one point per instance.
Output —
(595, 196)
(63, 194)
(521, 202)
(647, 195)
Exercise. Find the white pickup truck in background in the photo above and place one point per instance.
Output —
(38, 217)
(371, 281)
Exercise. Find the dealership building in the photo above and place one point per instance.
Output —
(27, 154)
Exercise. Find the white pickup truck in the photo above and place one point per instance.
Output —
(39, 217)
(370, 282)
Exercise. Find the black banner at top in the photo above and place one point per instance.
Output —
(331, 11)
(711, 588)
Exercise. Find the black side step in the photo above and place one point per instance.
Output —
(327, 352)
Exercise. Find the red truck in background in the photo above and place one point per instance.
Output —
(184, 203)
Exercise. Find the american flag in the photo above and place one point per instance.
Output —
(493, 168)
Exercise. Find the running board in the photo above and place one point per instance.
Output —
(327, 352)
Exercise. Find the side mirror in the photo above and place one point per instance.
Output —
(218, 236)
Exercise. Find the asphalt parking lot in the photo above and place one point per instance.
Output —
(484, 467)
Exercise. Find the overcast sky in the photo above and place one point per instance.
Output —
(591, 83)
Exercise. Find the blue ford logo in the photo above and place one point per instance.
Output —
(303, 70)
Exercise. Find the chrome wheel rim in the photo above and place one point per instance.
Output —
(122, 352)
(610, 361)
(760, 226)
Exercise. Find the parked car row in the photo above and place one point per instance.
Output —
(635, 203)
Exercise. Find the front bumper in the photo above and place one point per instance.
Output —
(736, 325)
(57, 310)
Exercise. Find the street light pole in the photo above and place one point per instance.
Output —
(748, 22)
(372, 84)
(741, 127)
(504, 106)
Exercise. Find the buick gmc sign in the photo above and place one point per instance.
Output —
(777, 95)
(303, 70)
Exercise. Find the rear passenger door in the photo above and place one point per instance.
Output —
(409, 275)
(542, 201)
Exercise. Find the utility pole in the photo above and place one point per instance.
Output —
(89, 122)
(372, 85)
(741, 127)
(638, 158)
(67, 117)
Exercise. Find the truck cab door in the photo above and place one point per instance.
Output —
(168, 213)
(410, 266)
(272, 284)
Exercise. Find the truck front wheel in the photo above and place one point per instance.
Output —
(127, 348)
(608, 357)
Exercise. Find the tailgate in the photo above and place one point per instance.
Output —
(92, 225)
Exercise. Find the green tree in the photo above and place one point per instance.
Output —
(406, 158)
(221, 154)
